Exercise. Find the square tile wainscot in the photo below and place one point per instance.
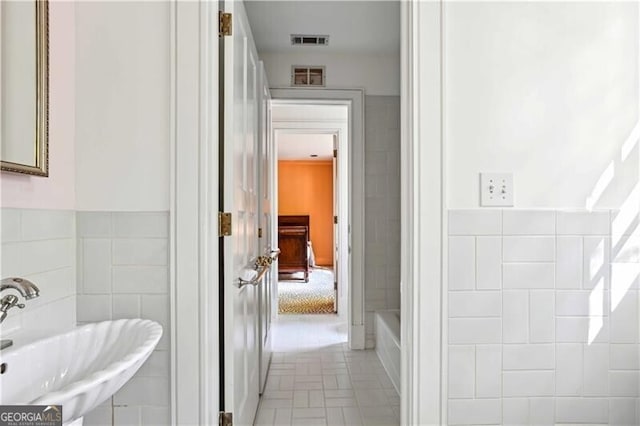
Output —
(543, 317)
(123, 273)
(40, 245)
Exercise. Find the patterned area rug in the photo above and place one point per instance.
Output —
(315, 297)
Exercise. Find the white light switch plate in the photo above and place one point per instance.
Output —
(496, 189)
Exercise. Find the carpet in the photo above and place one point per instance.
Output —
(315, 297)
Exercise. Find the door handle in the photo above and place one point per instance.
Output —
(255, 281)
(261, 265)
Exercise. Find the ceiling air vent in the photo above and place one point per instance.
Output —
(306, 75)
(309, 40)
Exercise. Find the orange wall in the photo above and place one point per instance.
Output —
(306, 188)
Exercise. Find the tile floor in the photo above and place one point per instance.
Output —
(315, 379)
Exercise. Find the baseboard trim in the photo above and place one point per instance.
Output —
(357, 337)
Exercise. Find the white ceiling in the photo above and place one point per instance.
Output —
(300, 146)
(352, 26)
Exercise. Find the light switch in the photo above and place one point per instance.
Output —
(496, 189)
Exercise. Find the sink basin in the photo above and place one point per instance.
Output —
(79, 369)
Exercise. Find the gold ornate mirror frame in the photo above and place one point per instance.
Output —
(41, 163)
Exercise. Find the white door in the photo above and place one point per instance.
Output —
(240, 189)
(266, 240)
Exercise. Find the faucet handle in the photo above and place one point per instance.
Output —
(9, 301)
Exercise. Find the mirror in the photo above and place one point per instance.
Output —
(24, 78)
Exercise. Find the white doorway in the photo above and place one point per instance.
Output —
(307, 214)
(194, 180)
(351, 166)
(330, 118)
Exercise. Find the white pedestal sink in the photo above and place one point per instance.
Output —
(79, 369)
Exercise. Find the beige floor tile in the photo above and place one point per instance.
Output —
(315, 379)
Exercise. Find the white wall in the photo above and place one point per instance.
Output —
(378, 74)
(548, 91)
(122, 186)
(122, 105)
(542, 300)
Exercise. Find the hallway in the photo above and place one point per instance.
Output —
(315, 379)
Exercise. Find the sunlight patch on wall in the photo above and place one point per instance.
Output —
(603, 183)
(630, 143)
(596, 261)
(626, 217)
(596, 311)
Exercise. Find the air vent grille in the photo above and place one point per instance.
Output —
(306, 75)
(309, 40)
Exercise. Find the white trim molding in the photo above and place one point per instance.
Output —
(193, 212)
(356, 196)
(340, 129)
(422, 217)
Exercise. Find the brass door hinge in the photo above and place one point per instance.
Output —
(224, 224)
(259, 232)
(224, 25)
(225, 419)
(335, 219)
(335, 153)
(335, 285)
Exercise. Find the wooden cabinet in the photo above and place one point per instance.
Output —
(293, 238)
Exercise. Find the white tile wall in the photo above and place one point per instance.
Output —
(529, 222)
(462, 363)
(475, 411)
(475, 304)
(40, 245)
(123, 273)
(515, 308)
(569, 367)
(488, 367)
(569, 257)
(515, 411)
(463, 273)
(528, 357)
(528, 383)
(528, 249)
(382, 209)
(528, 275)
(582, 410)
(488, 263)
(583, 223)
(543, 318)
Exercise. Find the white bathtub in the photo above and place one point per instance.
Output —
(388, 343)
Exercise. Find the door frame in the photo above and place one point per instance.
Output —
(423, 333)
(355, 157)
(341, 130)
(193, 216)
(193, 242)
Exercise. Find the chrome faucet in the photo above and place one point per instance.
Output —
(26, 288)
